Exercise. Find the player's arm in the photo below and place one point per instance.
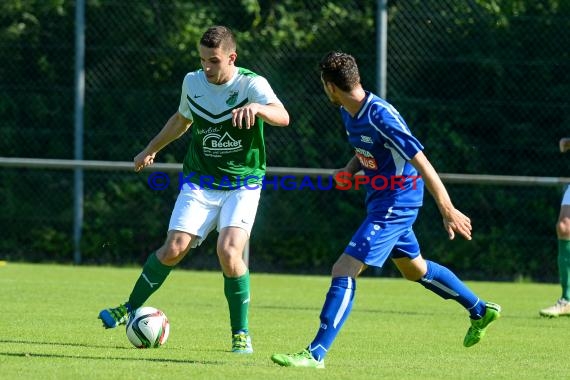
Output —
(274, 114)
(352, 167)
(564, 144)
(175, 127)
(453, 219)
(263, 104)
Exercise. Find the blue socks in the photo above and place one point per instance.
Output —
(338, 303)
(445, 284)
(336, 309)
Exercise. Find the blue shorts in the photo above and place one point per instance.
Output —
(384, 235)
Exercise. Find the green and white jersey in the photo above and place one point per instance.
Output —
(217, 149)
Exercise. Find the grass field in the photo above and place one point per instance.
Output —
(397, 329)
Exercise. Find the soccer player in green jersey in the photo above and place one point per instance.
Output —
(224, 107)
(562, 306)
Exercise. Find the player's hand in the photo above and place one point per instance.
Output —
(143, 159)
(456, 221)
(564, 144)
(336, 174)
(245, 116)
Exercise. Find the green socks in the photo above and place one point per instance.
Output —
(236, 290)
(153, 275)
(564, 267)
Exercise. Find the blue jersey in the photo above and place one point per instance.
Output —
(384, 144)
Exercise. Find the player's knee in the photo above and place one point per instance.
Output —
(347, 266)
(168, 256)
(229, 252)
(413, 275)
(173, 251)
(337, 270)
(411, 270)
(563, 228)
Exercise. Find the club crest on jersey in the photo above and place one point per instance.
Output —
(232, 99)
(215, 145)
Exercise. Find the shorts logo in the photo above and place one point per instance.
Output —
(216, 145)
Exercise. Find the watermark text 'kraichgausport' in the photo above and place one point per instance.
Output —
(160, 181)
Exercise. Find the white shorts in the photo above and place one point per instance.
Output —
(198, 211)
(566, 196)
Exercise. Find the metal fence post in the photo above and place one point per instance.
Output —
(382, 43)
(78, 128)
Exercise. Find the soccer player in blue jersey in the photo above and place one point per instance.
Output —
(562, 306)
(385, 147)
(224, 108)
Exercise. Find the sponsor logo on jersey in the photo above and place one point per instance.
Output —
(363, 152)
(366, 139)
(366, 159)
(232, 99)
(209, 130)
(216, 145)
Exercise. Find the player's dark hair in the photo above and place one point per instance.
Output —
(219, 37)
(340, 69)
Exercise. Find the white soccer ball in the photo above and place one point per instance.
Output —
(148, 327)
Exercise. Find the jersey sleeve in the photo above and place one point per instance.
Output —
(394, 130)
(261, 92)
(184, 107)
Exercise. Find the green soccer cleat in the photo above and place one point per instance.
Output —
(241, 343)
(115, 316)
(302, 359)
(479, 326)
